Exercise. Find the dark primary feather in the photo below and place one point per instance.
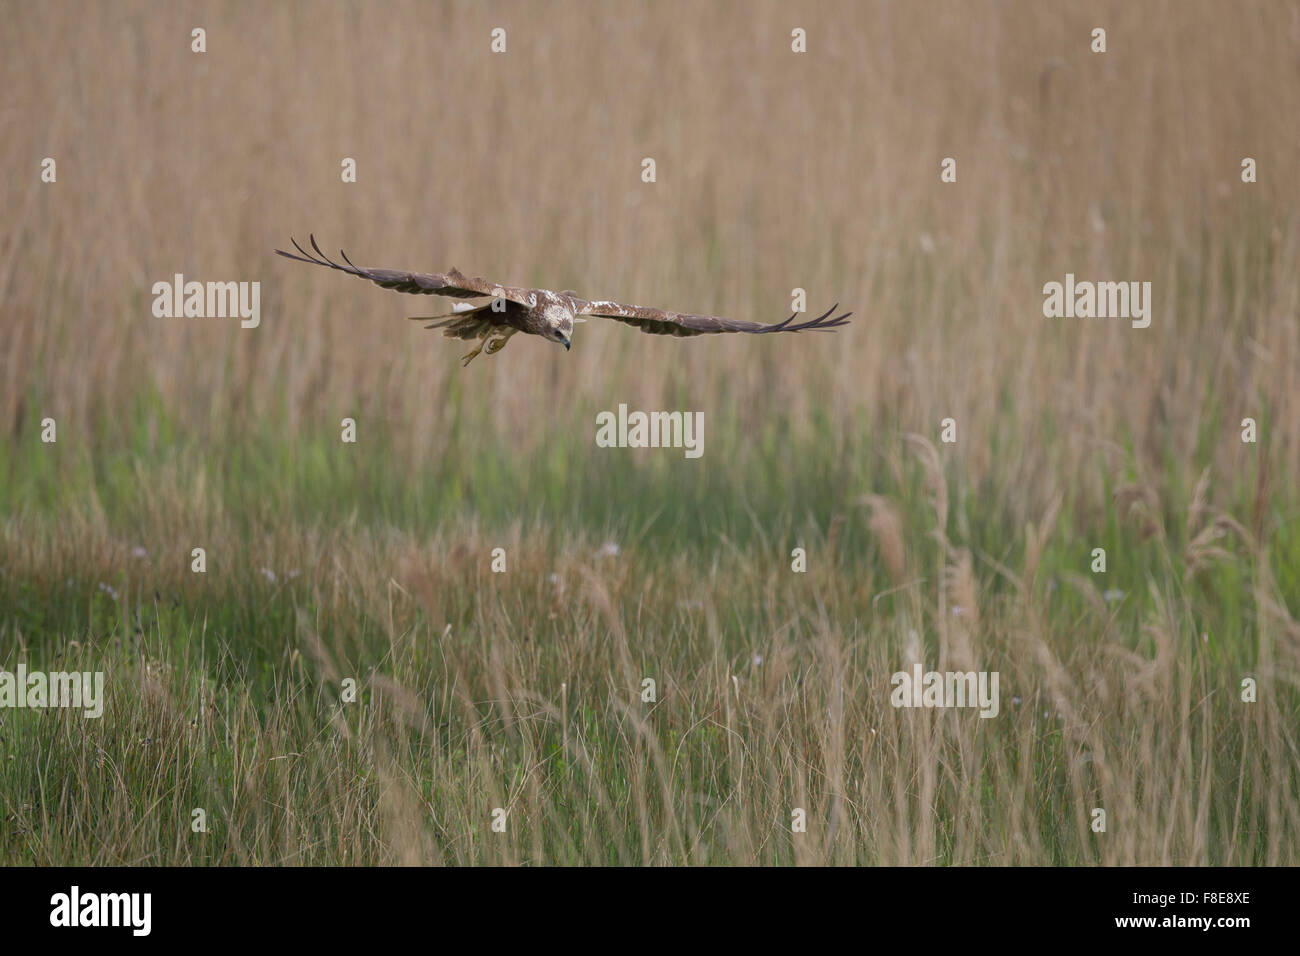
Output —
(452, 283)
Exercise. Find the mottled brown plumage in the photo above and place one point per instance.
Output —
(540, 311)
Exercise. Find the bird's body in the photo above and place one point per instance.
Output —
(550, 315)
(540, 312)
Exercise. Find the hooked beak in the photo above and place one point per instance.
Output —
(566, 345)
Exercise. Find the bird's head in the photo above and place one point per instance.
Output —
(564, 333)
(559, 326)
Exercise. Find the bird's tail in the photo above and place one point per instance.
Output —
(463, 322)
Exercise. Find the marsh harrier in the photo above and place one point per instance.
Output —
(540, 311)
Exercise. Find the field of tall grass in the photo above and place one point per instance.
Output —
(329, 562)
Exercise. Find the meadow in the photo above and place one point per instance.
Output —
(371, 562)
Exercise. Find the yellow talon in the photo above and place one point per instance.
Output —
(498, 340)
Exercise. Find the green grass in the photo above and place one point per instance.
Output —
(224, 687)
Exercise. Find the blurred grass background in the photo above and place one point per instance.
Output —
(775, 171)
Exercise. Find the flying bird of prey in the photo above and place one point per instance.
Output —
(540, 311)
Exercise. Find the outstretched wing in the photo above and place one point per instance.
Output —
(453, 283)
(661, 322)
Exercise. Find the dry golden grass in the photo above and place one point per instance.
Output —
(775, 171)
